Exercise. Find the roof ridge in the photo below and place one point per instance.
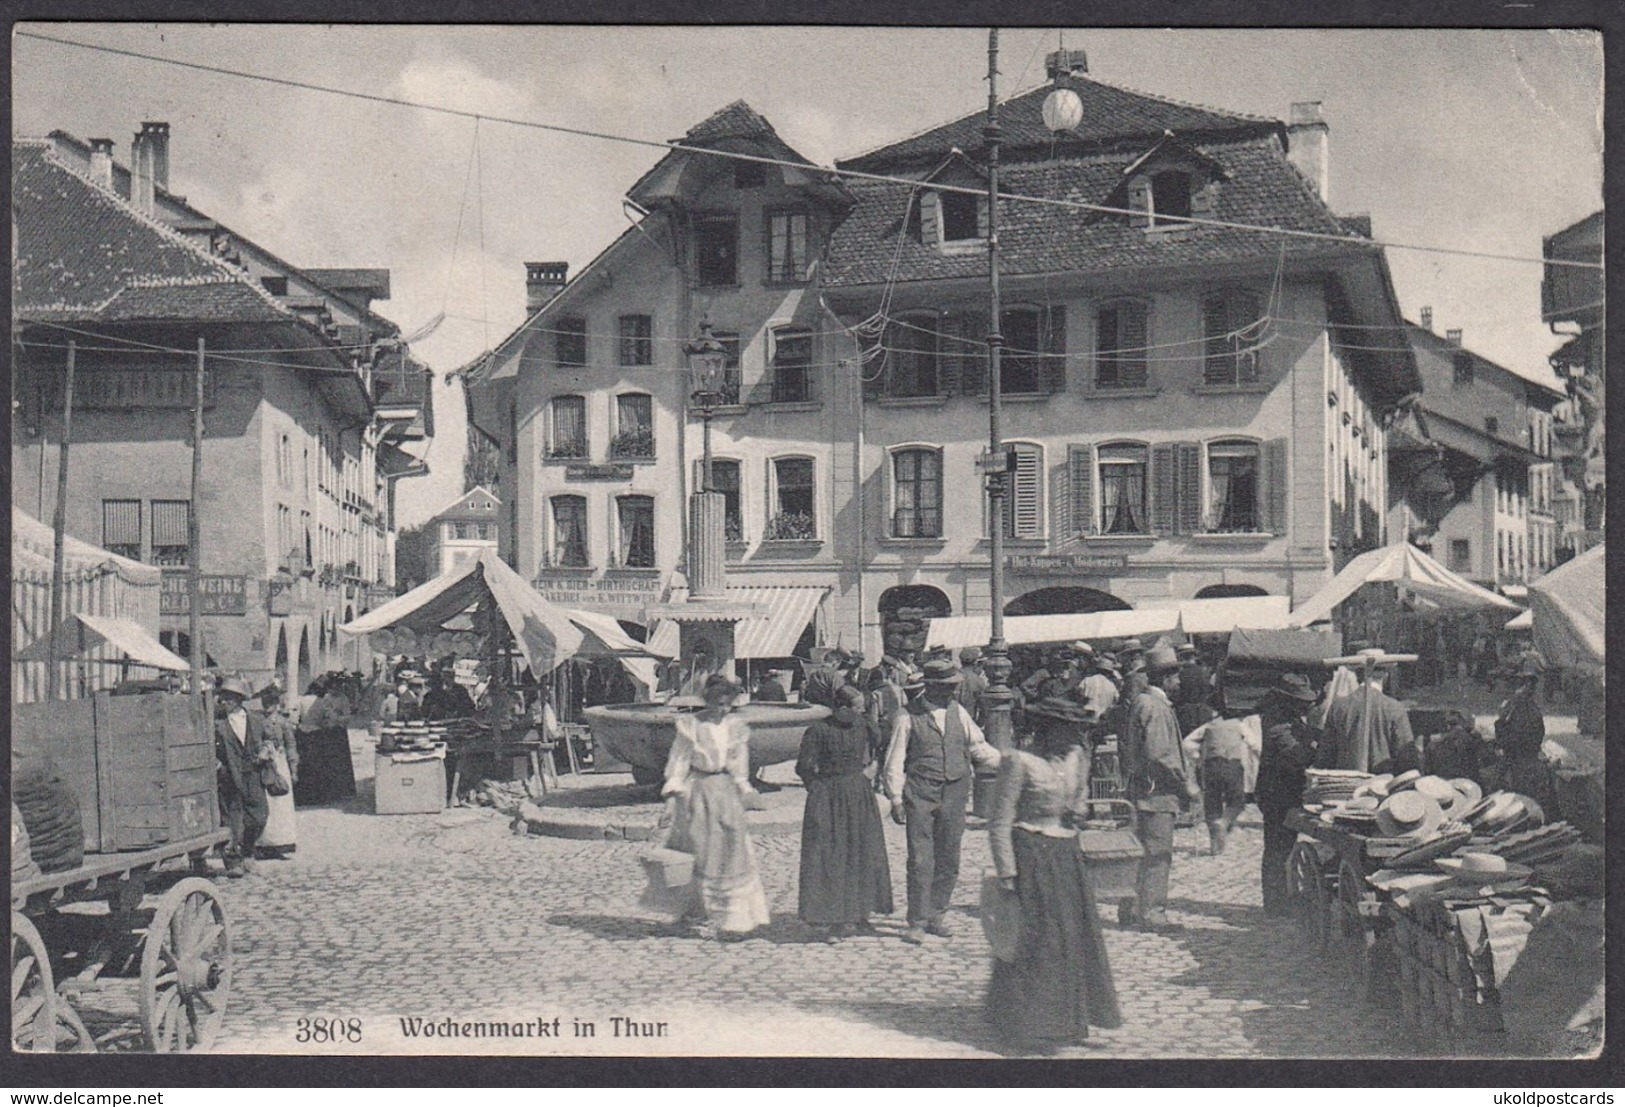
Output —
(923, 131)
(1244, 116)
(229, 274)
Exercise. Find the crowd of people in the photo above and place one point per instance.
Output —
(913, 731)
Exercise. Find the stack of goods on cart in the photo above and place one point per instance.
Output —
(1468, 907)
(1326, 787)
(47, 827)
(410, 737)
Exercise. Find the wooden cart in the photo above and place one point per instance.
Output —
(1335, 904)
(175, 930)
(145, 778)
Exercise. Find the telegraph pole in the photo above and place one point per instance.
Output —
(194, 541)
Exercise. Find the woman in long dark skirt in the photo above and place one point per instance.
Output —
(845, 876)
(1060, 982)
(326, 772)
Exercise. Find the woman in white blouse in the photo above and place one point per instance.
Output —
(707, 780)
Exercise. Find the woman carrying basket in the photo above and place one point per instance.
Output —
(1059, 981)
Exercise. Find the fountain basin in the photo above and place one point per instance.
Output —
(641, 734)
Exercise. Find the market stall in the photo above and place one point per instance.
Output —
(485, 610)
(1175, 618)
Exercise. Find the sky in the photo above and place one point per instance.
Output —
(1483, 140)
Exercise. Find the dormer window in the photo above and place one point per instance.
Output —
(959, 216)
(1170, 195)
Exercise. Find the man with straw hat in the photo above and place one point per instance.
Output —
(934, 745)
(1160, 783)
(239, 747)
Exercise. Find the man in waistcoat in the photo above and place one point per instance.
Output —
(934, 746)
(1159, 780)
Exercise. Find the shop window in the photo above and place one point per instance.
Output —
(635, 524)
(121, 528)
(917, 493)
(569, 545)
(567, 427)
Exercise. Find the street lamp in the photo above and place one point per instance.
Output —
(707, 366)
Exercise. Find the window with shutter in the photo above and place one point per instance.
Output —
(950, 343)
(1276, 482)
(1164, 482)
(1055, 348)
(1120, 345)
(1229, 329)
(1139, 201)
(973, 352)
(171, 533)
(913, 356)
(917, 493)
(121, 528)
(1021, 359)
(1188, 483)
(1233, 487)
(1024, 501)
(930, 219)
(1122, 467)
(1080, 488)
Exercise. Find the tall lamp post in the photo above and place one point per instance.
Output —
(707, 364)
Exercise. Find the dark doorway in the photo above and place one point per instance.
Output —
(906, 613)
(1229, 591)
(1065, 600)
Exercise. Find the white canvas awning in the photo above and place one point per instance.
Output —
(1407, 567)
(789, 609)
(78, 636)
(1568, 606)
(1215, 616)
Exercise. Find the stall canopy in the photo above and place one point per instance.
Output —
(545, 633)
(1404, 565)
(789, 609)
(1215, 616)
(1568, 604)
(81, 638)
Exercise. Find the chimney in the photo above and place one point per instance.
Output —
(101, 162)
(1307, 146)
(1427, 319)
(1453, 336)
(142, 197)
(1068, 63)
(543, 280)
(158, 139)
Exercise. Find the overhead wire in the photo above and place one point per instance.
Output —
(670, 146)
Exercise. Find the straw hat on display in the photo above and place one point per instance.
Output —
(1409, 815)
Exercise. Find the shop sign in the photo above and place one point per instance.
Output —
(1065, 564)
(217, 595)
(598, 472)
(625, 594)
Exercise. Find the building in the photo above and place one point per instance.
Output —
(470, 523)
(1184, 410)
(1572, 304)
(296, 509)
(1471, 476)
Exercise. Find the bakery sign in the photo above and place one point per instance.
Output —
(627, 596)
(1064, 564)
(217, 595)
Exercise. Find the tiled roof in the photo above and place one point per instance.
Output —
(85, 254)
(374, 282)
(737, 120)
(1263, 188)
(1110, 115)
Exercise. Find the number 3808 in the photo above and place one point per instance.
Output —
(321, 1030)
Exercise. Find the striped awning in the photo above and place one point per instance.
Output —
(789, 609)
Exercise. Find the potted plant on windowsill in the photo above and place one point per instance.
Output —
(633, 443)
(573, 450)
(791, 526)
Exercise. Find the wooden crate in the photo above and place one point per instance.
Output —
(143, 775)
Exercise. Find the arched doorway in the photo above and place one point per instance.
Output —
(304, 663)
(281, 664)
(905, 614)
(1065, 600)
(1229, 591)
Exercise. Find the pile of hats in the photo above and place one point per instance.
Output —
(1408, 805)
(1327, 786)
(1534, 845)
(1505, 813)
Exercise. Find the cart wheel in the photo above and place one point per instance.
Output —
(1303, 879)
(72, 1036)
(33, 992)
(185, 968)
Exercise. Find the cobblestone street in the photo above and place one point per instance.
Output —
(451, 915)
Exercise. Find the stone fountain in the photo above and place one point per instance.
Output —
(641, 734)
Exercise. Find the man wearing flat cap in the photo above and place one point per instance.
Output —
(934, 746)
(1159, 781)
(239, 748)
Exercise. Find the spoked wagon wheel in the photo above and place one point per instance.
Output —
(72, 1036)
(1303, 880)
(185, 969)
(33, 992)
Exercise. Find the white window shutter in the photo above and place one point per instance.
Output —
(930, 219)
